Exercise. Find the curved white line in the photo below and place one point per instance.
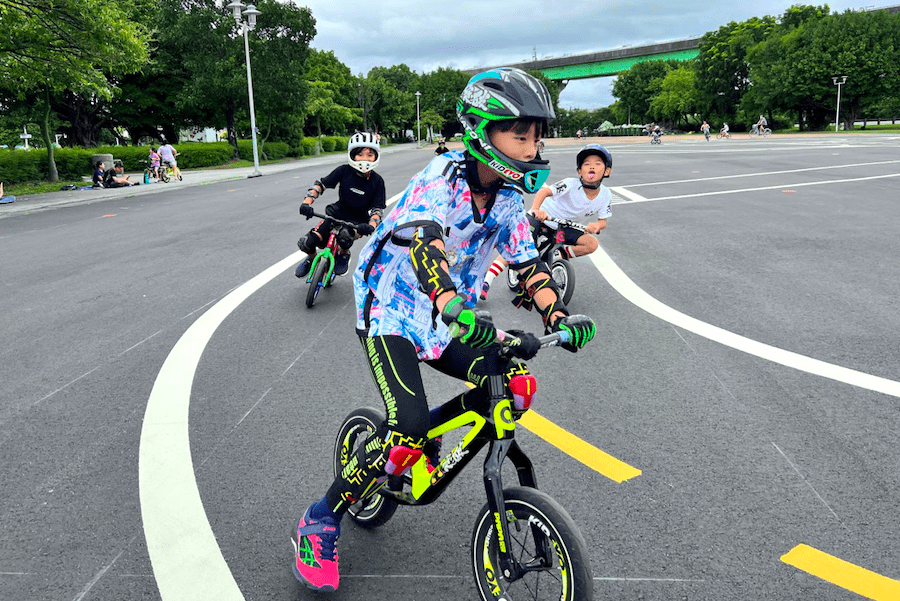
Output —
(186, 558)
(623, 284)
(187, 562)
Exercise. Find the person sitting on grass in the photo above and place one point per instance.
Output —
(99, 174)
(114, 178)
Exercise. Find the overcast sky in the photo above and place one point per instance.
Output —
(466, 34)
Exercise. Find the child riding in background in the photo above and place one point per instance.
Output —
(572, 198)
(154, 159)
(422, 271)
(361, 199)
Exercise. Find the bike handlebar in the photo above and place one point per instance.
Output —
(565, 223)
(336, 220)
(506, 339)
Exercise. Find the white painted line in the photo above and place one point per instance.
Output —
(762, 174)
(628, 289)
(832, 182)
(187, 562)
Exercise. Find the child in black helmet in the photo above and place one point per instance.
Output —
(422, 270)
(572, 198)
(361, 199)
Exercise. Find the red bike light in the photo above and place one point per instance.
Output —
(523, 389)
(560, 236)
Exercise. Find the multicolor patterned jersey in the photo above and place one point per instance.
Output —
(389, 300)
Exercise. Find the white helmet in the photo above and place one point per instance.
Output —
(363, 140)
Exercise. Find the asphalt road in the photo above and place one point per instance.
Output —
(133, 318)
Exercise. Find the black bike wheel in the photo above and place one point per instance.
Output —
(376, 510)
(164, 175)
(564, 275)
(543, 538)
(317, 276)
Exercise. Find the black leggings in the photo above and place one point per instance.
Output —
(395, 369)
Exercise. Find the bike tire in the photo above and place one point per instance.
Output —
(564, 275)
(376, 510)
(533, 516)
(317, 276)
(164, 176)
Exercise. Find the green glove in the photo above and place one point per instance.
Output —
(476, 327)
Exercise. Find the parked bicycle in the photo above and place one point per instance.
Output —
(551, 250)
(321, 271)
(755, 130)
(524, 543)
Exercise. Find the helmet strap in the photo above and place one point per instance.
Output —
(584, 184)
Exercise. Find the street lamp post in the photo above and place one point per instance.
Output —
(250, 24)
(418, 120)
(838, 80)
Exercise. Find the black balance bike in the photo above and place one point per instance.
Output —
(550, 243)
(524, 543)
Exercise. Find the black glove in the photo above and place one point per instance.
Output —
(364, 229)
(581, 329)
(477, 327)
(306, 210)
(527, 348)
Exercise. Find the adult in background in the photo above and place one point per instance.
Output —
(168, 153)
(115, 177)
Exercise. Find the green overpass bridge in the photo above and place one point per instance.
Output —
(609, 62)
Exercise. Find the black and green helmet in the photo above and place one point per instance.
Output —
(499, 95)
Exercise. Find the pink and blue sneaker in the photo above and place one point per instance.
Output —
(316, 557)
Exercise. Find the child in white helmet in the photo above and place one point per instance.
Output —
(361, 200)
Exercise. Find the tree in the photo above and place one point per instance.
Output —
(793, 70)
(636, 87)
(283, 34)
(432, 122)
(324, 111)
(440, 91)
(677, 97)
(47, 46)
(723, 72)
(209, 44)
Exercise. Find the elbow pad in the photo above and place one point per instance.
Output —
(426, 260)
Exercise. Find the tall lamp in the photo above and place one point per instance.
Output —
(838, 80)
(251, 13)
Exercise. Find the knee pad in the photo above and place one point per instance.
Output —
(309, 243)
(345, 238)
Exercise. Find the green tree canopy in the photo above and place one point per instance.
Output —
(47, 46)
(723, 72)
(793, 70)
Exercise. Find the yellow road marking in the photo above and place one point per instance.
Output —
(844, 574)
(578, 449)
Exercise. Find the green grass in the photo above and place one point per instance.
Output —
(39, 187)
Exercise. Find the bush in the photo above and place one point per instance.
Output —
(309, 146)
(328, 144)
